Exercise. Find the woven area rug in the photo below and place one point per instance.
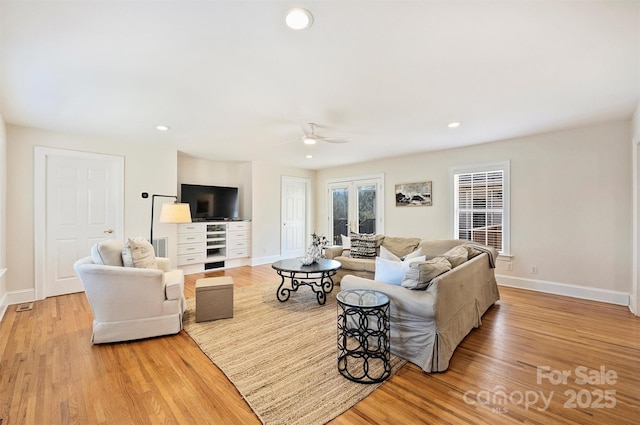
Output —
(282, 357)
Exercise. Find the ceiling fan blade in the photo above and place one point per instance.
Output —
(296, 140)
(334, 140)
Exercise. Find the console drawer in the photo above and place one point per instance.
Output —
(191, 248)
(238, 252)
(191, 259)
(238, 225)
(189, 238)
(237, 235)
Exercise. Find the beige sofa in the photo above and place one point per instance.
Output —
(427, 325)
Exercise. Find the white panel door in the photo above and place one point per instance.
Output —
(83, 203)
(294, 217)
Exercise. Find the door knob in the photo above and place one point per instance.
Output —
(109, 231)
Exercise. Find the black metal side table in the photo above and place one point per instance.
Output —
(363, 335)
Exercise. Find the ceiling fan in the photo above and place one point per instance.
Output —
(312, 138)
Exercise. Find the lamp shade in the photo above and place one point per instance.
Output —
(175, 213)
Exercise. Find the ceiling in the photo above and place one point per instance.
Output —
(235, 84)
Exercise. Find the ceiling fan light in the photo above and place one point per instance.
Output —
(299, 19)
(309, 140)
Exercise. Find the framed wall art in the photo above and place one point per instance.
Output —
(413, 194)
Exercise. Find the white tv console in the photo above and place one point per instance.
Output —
(211, 245)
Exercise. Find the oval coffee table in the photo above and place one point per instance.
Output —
(317, 276)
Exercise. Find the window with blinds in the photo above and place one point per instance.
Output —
(479, 206)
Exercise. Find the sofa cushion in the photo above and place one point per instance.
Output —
(364, 246)
(434, 248)
(400, 246)
(346, 242)
(107, 253)
(420, 274)
(390, 271)
(138, 252)
(357, 264)
(457, 255)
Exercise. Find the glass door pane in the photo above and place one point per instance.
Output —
(367, 208)
(339, 213)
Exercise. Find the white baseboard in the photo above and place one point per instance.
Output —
(258, 261)
(566, 289)
(16, 297)
(19, 297)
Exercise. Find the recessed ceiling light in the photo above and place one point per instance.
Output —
(163, 127)
(299, 19)
(454, 124)
(309, 156)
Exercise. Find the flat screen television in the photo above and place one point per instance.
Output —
(210, 202)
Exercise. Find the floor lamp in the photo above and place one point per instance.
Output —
(170, 213)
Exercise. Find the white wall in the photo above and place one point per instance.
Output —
(3, 216)
(148, 168)
(570, 206)
(266, 225)
(635, 131)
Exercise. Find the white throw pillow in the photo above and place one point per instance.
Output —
(107, 253)
(346, 242)
(138, 252)
(391, 271)
(388, 255)
(415, 254)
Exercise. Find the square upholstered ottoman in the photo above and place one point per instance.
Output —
(214, 298)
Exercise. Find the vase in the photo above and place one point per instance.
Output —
(314, 252)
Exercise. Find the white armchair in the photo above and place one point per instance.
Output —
(132, 303)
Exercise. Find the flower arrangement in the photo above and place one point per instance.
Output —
(316, 249)
(320, 241)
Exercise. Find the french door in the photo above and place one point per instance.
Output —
(355, 205)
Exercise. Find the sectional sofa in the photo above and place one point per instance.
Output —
(429, 321)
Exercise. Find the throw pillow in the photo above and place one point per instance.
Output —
(107, 253)
(471, 251)
(362, 245)
(393, 272)
(456, 255)
(389, 271)
(419, 275)
(138, 252)
(388, 255)
(415, 254)
(346, 242)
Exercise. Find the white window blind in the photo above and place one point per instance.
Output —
(480, 210)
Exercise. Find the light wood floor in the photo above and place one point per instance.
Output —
(51, 374)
